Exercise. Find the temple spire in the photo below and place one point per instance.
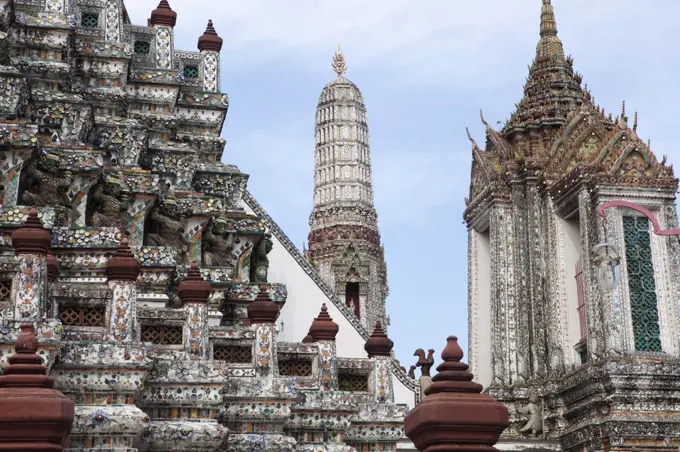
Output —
(339, 65)
(548, 23)
(549, 47)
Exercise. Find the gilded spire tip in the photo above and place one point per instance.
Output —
(339, 65)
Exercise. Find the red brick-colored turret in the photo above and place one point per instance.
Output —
(33, 416)
(123, 266)
(32, 238)
(194, 289)
(454, 416)
(378, 344)
(210, 41)
(163, 15)
(263, 310)
(323, 327)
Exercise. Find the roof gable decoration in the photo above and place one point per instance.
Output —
(314, 275)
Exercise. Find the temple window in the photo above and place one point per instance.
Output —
(5, 290)
(191, 71)
(233, 354)
(295, 366)
(142, 47)
(352, 382)
(641, 285)
(162, 334)
(89, 20)
(352, 296)
(72, 315)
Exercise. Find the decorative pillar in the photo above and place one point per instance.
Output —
(263, 314)
(379, 423)
(33, 416)
(455, 416)
(29, 288)
(210, 45)
(323, 332)
(194, 293)
(122, 271)
(163, 20)
(379, 348)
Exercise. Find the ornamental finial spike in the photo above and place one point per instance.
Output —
(339, 65)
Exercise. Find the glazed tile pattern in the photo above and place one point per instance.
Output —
(532, 213)
(128, 134)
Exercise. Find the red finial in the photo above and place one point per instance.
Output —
(263, 310)
(46, 421)
(323, 327)
(210, 41)
(378, 344)
(32, 238)
(123, 266)
(193, 289)
(454, 415)
(163, 15)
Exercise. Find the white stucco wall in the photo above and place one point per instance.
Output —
(483, 351)
(572, 253)
(403, 394)
(304, 304)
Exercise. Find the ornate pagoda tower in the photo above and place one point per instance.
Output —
(344, 240)
(561, 198)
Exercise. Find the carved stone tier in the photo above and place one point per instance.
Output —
(183, 397)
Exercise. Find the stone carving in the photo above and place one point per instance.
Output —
(259, 262)
(533, 410)
(44, 183)
(165, 225)
(143, 352)
(218, 243)
(107, 204)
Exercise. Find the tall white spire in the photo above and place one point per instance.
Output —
(344, 241)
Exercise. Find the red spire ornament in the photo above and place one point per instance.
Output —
(210, 41)
(34, 417)
(194, 289)
(323, 327)
(123, 266)
(454, 416)
(163, 15)
(378, 344)
(263, 310)
(32, 238)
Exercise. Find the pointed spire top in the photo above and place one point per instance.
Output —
(163, 15)
(548, 23)
(323, 327)
(210, 41)
(379, 344)
(635, 122)
(339, 65)
(193, 288)
(549, 47)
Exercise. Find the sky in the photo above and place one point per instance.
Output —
(425, 69)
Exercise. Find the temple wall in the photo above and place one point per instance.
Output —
(403, 394)
(572, 254)
(479, 348)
